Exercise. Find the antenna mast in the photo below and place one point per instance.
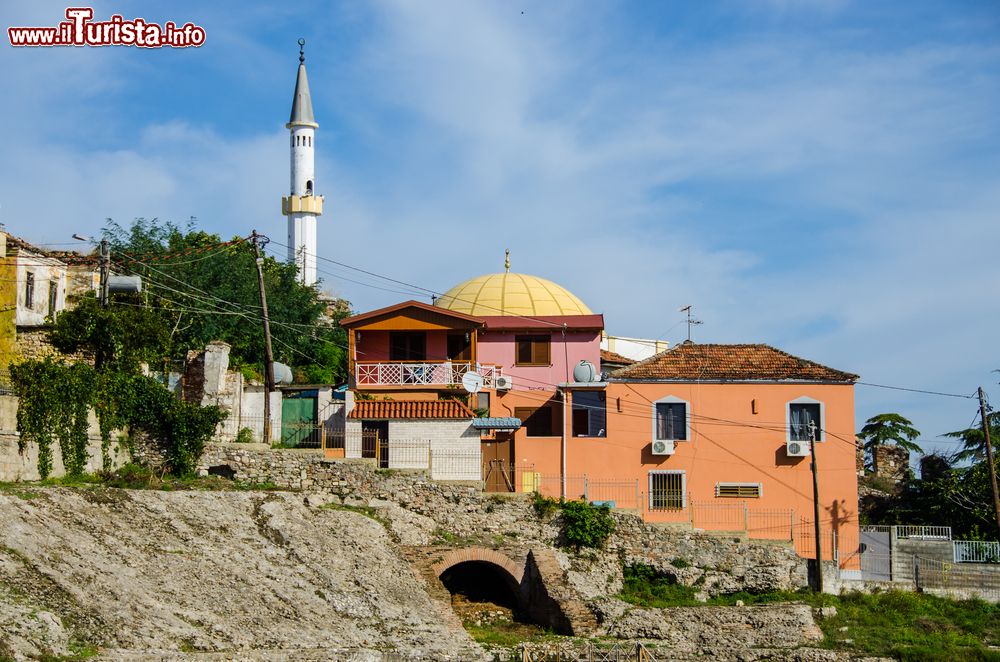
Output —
(690, 320)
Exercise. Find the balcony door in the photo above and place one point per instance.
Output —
(459, 347)
(407, 346)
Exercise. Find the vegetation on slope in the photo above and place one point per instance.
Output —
(897, 624)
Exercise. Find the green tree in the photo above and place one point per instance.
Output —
(883, 429)
(974, 441)
(120, 337)
(198, 288)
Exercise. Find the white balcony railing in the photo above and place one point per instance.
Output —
(974, 551)
(426, 373)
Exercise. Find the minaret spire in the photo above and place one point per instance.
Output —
(302, 206)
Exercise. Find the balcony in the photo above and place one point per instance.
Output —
(439, 374)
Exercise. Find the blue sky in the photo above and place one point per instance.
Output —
(820, 175)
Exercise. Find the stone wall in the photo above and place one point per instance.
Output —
(893, 462)
(32, 342)
(688, 629)
(420, 511)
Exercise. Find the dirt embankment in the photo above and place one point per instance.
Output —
(244, 575)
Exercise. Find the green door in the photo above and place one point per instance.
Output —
(298, 420)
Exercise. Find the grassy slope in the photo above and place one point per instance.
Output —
(902, 625)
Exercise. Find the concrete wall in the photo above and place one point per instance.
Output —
(448, 448)
(252, 410)
(45, 270)
(17, 466)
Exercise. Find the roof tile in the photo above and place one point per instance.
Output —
(383, 409)
(607, 356)
(690, 361)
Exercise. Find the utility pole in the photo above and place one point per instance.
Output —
(105, 265)
(816, 526)
(989, 455)
(258, 241)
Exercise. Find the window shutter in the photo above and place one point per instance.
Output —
(542, 352)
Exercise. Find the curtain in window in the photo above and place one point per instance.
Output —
(671, 423)
(799, 418)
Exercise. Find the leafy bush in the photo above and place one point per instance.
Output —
(646, 587)
(244, 436)
(543, 506)
(586, 525)
(55, 398)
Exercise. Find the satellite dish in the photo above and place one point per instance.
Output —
(472, 382)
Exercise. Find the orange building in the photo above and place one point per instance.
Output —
(719, 436)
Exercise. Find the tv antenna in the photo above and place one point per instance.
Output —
(690, 320)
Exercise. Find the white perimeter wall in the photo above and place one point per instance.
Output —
(450, 449)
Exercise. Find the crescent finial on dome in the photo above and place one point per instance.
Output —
(506, 261)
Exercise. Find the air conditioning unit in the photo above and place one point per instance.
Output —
(663, 447)
(797, 448)
(504, 383)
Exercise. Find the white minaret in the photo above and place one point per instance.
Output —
(302, 206)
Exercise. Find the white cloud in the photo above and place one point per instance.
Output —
(603, 164)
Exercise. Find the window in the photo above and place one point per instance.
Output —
(53, 297)
(309, 187)
(590, 417)
(804, 415)
(29, 290)
(738, 490)
(538, 422)
(666, 490)
(483, 401)
(532, 350)
(670, 420)
(407, 346)
(460, 346)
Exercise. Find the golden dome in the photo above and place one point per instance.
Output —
(512, 294)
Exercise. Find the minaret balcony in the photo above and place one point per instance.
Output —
(309, 204)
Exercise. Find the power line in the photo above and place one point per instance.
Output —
(916, 390)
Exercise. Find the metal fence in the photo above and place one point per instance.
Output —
(590, 652)
(288, 435)
(924, 532)
(956, 580)
(976, 551)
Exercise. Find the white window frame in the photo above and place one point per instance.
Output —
(758, 485)
(671, 399)
(805, 400)
(649, 485)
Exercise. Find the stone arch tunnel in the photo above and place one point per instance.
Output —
(534, 588)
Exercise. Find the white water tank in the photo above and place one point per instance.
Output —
(585, 372)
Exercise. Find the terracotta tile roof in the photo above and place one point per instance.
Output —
(750, 362)
(607, 356)
(382, 409)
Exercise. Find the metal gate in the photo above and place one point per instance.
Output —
(876, 554)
